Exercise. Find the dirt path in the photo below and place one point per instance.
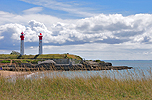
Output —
(11, 62)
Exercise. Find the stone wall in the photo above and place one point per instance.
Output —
(61, 61)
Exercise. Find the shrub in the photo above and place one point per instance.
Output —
(34, 61)
(99, 61)
(15, 53)
(5, 61)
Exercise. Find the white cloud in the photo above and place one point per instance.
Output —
(110, 29)
(133, 51)
(1, 37)
(71, 8)
(11, 31)
(34, 29)
(99, 35)
(31, 47)
(7, 18)
(33, 10)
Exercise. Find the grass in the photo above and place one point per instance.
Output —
(7, 58)
(17, 61)
(88, 88)
(43, 56)
(5, 61)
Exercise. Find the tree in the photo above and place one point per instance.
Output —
(15, 53)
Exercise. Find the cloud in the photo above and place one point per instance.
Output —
(1, 37)
(102, 33)
(70, 7)
(85, 37)
(110, 29)
(7, 18)
(124, 51)
(33, 10)
(10, 34)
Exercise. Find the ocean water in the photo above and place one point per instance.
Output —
(141, 69)
(136, 64)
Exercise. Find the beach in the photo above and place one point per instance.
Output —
(13, 73)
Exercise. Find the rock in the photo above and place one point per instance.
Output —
(105, 64)
(47, 61)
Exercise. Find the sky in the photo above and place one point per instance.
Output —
(92, 29)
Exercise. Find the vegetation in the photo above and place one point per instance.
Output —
(99, 61)
(8, 56)
(15, 53)
(90, 88)
(43, 56)
(35, 61)
(5, 61)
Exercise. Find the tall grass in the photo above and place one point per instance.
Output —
(88, 88)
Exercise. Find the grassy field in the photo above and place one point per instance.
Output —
(78, 88)
(33, 59)
(43, 56)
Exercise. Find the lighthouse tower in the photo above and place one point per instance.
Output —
(22, 44)
(40, 43)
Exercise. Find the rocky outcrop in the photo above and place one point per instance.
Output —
(46, 61)
(51, 65)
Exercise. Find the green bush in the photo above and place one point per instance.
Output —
(99, 61)
(16, 61)
(34, 61)
(5, 61)
(15, 53)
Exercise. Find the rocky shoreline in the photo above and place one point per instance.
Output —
(51, 65)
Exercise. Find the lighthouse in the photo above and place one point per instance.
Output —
(22, 44)
(40, 43)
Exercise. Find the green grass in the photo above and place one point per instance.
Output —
(89, 88)
(33, 59)
(8, 56)
(43, 56)
(5, 61)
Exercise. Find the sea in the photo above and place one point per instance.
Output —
(142, 69)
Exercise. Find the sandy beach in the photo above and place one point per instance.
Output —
(12, 73)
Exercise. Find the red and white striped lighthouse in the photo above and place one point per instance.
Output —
(40, 43)
(22, 44)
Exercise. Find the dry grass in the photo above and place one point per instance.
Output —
(88, 88)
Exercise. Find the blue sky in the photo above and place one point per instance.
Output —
(93, 29)
(123, 7)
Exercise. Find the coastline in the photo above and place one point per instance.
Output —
(12, 73)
